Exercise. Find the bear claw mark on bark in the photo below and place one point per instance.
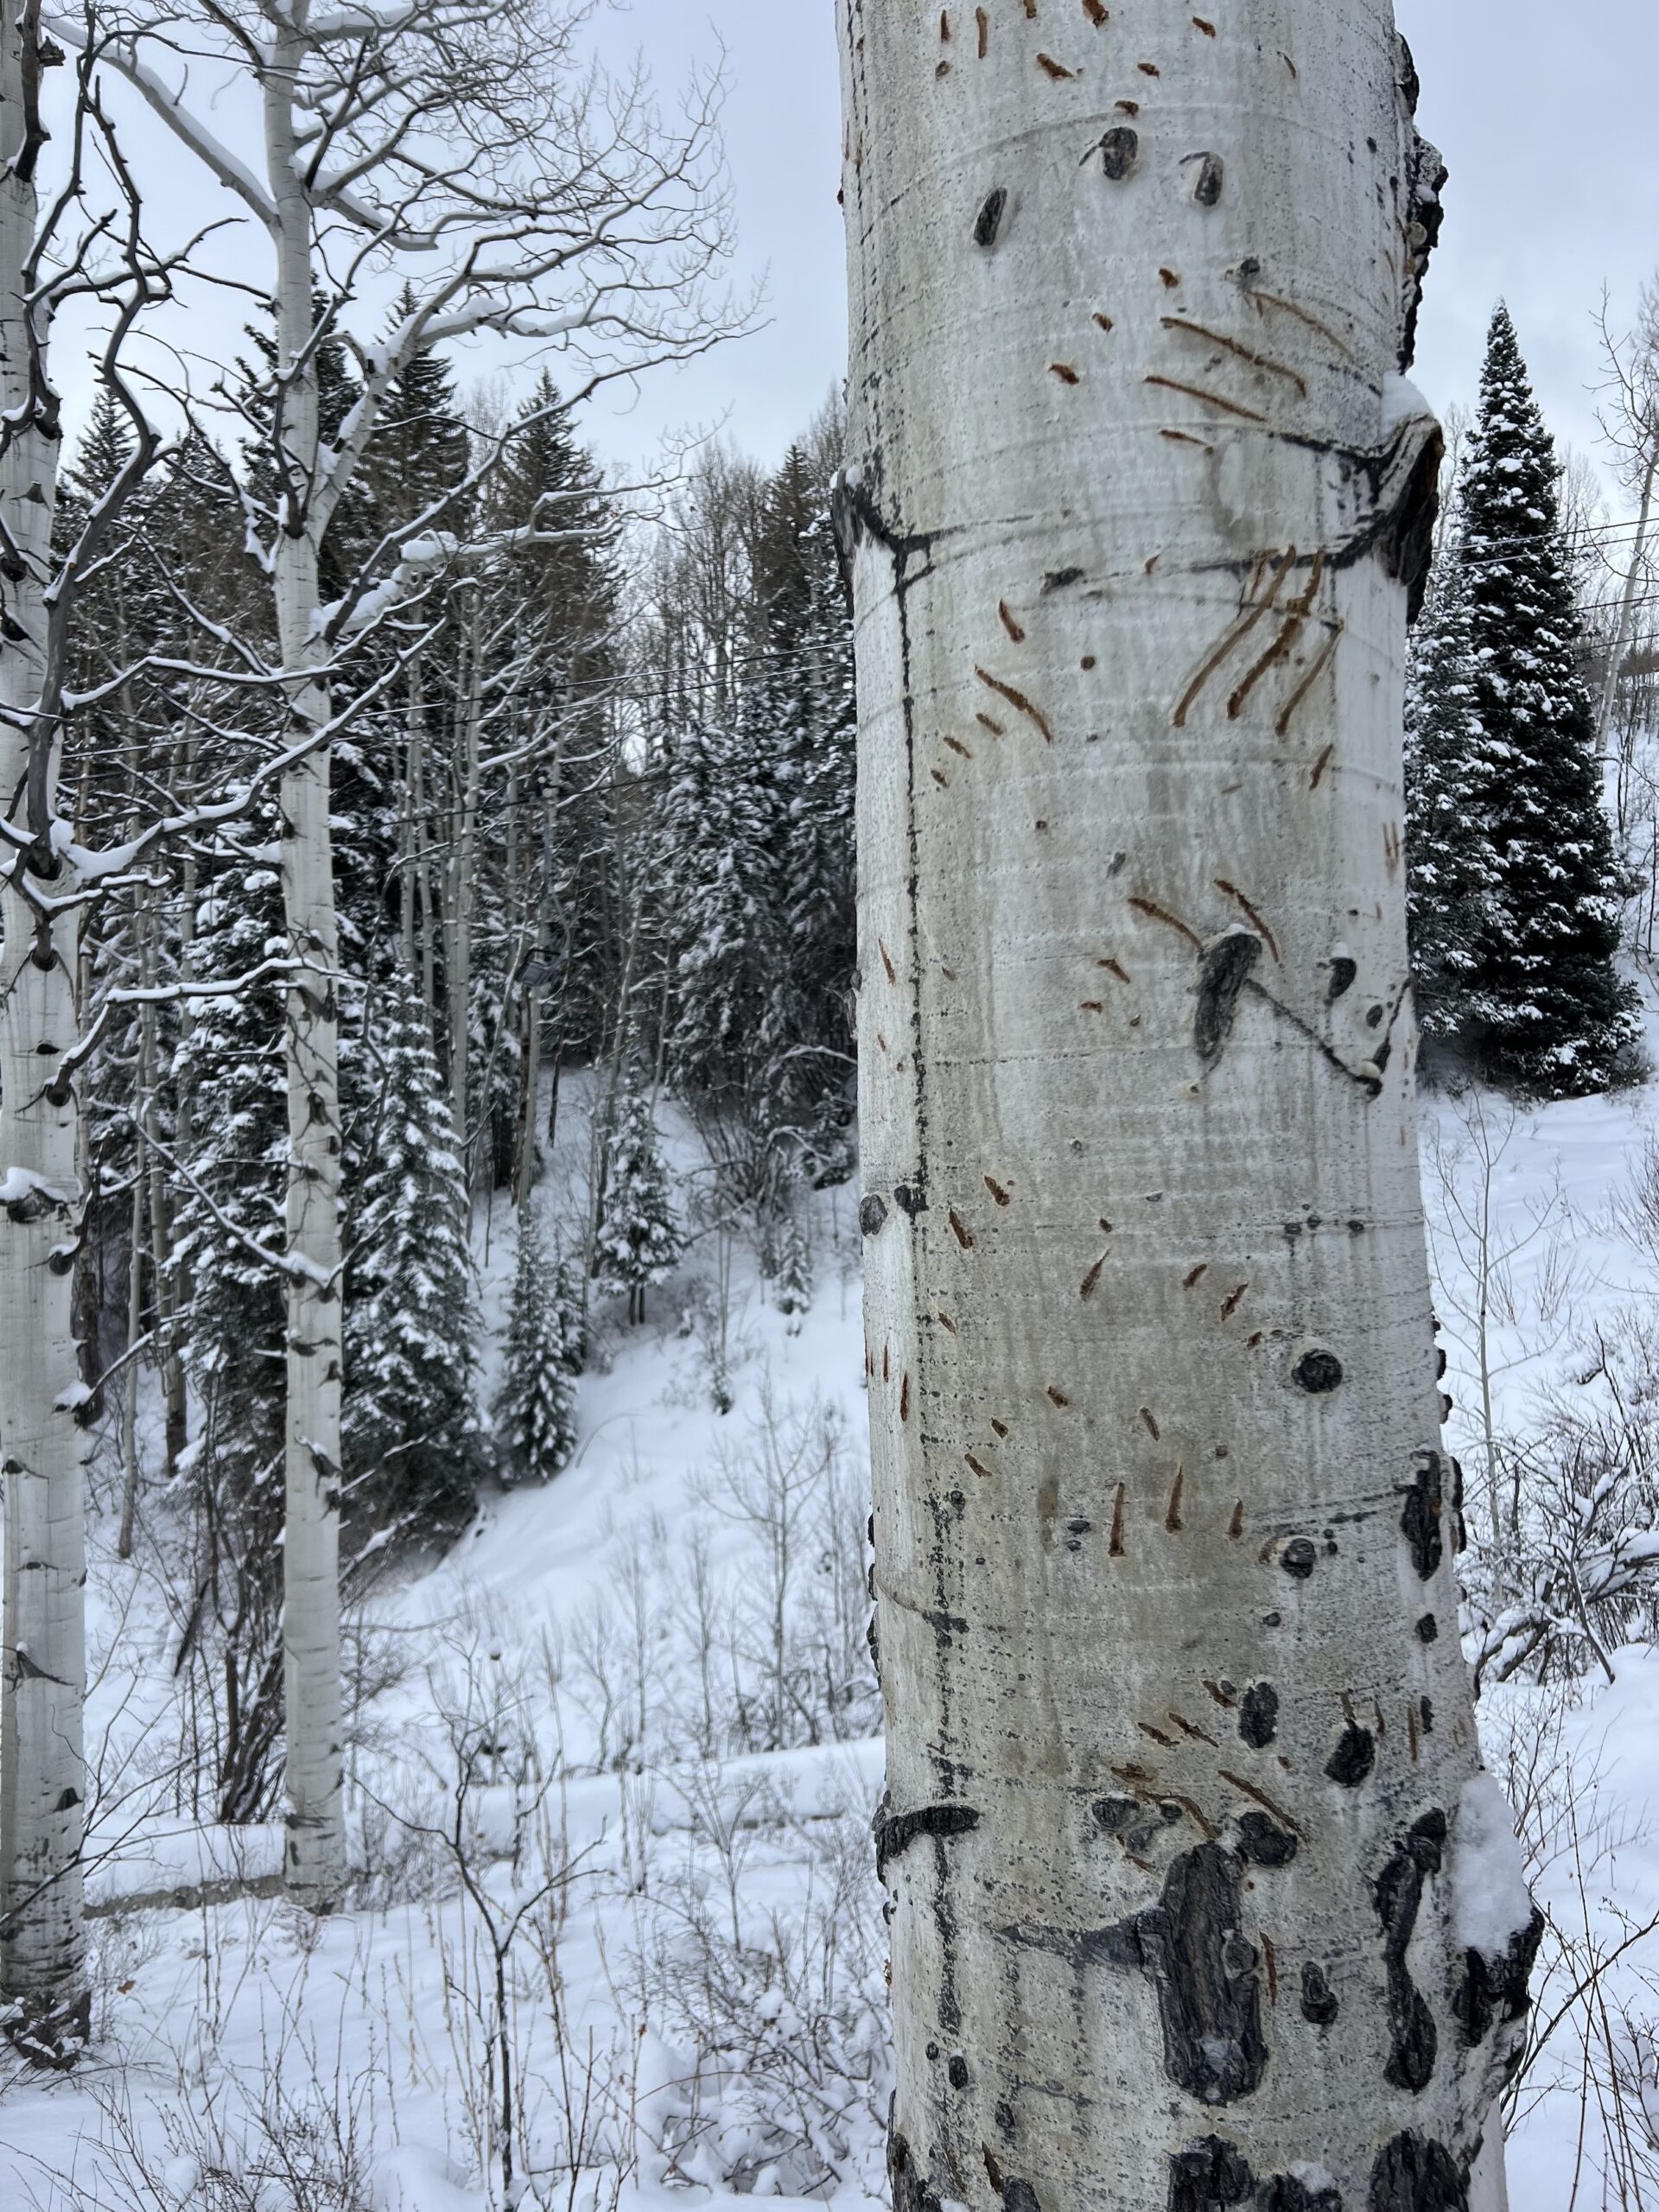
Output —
(1196, 391)
(1398, 1894)
(1226, 966)
(1255, 609)
(1231, 891)
(1413, 2174)
(1018, 701)
(1265, 362)
(896, 1832)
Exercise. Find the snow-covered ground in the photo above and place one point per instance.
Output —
(648, 1897)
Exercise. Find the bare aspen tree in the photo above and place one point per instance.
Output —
(1630, 422)
(468, 145)
(51, 253)
(42, 1782)
(1187, 1824)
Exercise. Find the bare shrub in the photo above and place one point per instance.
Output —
(1578, 1571)
(781, 2007)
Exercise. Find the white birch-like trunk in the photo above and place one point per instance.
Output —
(458, 905)
(315, 1865)
(1625, 630)
(1179, 1725)
(42, 1671)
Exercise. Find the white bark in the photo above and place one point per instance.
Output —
(460, 894)
(1625, 630)
(1179, 1719)
(315, 1865)
(42, 1675)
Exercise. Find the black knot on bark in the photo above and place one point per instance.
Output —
(1318, 1372)
(1258, 1715)
(990, 219)
(1263, 1843)
(1120, 150)
(1355, 1756)
(1320, 2004)
(1413, 2175)
(1226, 965)
(872, 1215)
(1210, 180)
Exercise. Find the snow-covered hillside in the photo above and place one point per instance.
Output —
(615, 1933)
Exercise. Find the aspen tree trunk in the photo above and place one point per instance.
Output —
(315, 1865)
(458, 915)
(1182, 1774)
(42, 1670)
(1624, 632)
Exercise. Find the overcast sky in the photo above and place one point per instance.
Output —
(1543, 108)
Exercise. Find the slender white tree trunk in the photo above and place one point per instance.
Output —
(42, 1670)
(315, 1859)
(1180, 1732)
(458, 947)
(1625, 630)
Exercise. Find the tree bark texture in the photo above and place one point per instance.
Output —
(314, 1865)
(1180, 1724)
(42, 1672)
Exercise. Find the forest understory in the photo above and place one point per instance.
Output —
(614, 1934)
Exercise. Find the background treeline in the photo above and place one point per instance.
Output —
(592, 811)
(593, 814)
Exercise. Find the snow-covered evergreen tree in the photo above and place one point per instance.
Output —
(756, 850)
(718, 854)
(233, 1064)
(412, 1428)
(534, 1407)
(805, 708)
(639, 1240)
(1451, 772)
(1551, 1013)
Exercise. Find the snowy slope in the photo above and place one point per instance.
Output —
(698, 1993)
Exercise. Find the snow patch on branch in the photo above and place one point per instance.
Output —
(19, 1185)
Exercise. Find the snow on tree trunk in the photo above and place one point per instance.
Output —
(315, 1865)
(43, 1676)
(1179, 1724)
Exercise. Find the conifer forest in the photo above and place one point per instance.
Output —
(828, 1167)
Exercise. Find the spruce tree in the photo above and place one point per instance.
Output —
(232, 1061)
(534, 1407)
(1451, 775)
(411, 1429)
(639, 1240)
(1550, 1013)
(756, 843)
(231, 1209)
